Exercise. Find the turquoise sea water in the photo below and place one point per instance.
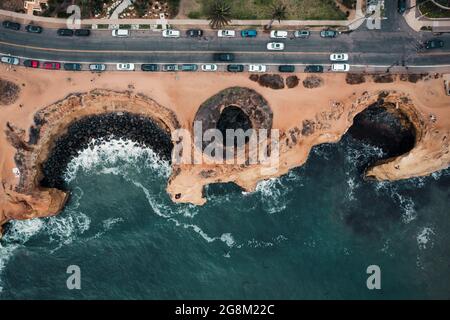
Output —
(308, 235)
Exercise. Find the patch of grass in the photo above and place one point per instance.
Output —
(194, 15)
(296, 9)
(430, 10)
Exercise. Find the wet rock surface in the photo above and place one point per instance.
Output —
(137, 128)
(385, 126)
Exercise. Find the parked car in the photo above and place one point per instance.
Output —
(401, 6)
(189, 67)
(224, 57)
(278, 34)
(434, 44)
(72, 66)
(209, 67)
(149, 67)
(121, 33)
(339, 57)
(170, 33)
(10, 60)
(249, 33)
(97, 67)
(65, 32)
(125, 66)
(286, 68)
(235, 68)
(328, 33)
(194, 33)
(33, 29)
(52, 65)
(275, 46)
(11, 25)
(82, 32)
(257, 68)
(31, 64)
(314, 69)
(340, 67)
(170, 67)
(226, 33)
(302, 34)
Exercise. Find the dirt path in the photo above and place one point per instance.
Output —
(187, 6)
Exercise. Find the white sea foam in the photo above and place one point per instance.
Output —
(424, 238)
(273, 195)
(18, 234)
(64, 229)
(102, 157)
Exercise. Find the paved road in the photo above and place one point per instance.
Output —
(394, 44)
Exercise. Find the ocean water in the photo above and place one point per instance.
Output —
(310, 234)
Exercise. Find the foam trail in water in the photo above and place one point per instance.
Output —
(19, 232)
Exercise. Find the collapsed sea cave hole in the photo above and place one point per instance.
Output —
(385, 126)
(234, 108)
(233, 118)
(102, 127)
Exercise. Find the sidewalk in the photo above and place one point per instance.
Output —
(56, 23)
(417, 23)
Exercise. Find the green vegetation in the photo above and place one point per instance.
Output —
(351, 4)
(263, 9)
(90, 8)
(219, 13)
(430, 10)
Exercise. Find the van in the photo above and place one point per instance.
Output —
(121, 33)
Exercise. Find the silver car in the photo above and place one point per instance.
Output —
(97, 67)
(10, 60)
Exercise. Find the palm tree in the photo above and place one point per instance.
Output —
(219, 14)
(279, 12)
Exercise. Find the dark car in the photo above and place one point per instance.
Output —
(72, 66)
(82, 32)
(31, 64)
(401, 6)
(194, 33)
(11, 25)
(189, 67)
(170, 67)
(33, 29)
(235, 68)
(65, 32)
(434, 44)
(149, 67)
(286, 68)
(249, 33)
(224, 57)
(314, 68)
(328, 34)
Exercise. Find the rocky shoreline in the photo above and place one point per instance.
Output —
(122, 125)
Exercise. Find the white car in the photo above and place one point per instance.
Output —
(339, 57)
(275, 46)
(209, 67)
(278, 34)
(340, 67)
(171, 33)
(257, 68)
(121, 33)
(10, 60)
(226, 33)
(125, 66)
